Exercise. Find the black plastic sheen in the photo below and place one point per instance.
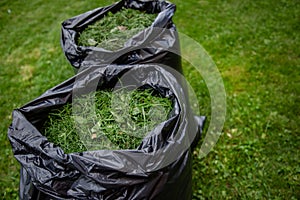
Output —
(48, 173)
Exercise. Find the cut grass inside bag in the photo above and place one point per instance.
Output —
(113, 30)
(106, 120)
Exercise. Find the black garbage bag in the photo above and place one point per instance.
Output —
(158, 43)
(160, 168)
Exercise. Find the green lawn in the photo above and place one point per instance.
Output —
(255, 45)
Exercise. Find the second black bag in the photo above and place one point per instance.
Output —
(158, 43)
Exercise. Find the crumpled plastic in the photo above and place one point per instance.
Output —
(158, 43)
(160, 168)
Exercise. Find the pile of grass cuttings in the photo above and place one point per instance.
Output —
(106, 120)
(113, 30)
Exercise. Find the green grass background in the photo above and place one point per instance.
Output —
(255, 45)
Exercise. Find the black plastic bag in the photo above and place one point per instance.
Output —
(157, 44)
(160, 168)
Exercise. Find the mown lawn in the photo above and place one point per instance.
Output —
(255, 45)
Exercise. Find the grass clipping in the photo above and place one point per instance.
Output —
(106, 120)
(112, 31)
